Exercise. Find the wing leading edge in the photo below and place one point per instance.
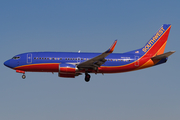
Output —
(97, 61)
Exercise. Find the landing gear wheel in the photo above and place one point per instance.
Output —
(23, 76)
(87, 77)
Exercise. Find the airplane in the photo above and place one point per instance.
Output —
(72, 64)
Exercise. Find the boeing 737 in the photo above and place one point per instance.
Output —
(72, 64)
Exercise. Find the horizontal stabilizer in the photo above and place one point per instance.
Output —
(162, 56)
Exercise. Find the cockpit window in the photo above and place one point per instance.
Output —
(16, 57)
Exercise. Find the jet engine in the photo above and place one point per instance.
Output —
(67, 70)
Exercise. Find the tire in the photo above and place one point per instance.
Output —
(87, 77)
(23, 76)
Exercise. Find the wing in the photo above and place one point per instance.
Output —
(97, 61)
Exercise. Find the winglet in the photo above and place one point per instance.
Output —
(111, 49)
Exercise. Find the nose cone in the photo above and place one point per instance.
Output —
(7, 63)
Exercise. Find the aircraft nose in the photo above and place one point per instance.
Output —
(7, 63)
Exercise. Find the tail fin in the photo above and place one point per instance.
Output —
(156, 45)
(154, 48)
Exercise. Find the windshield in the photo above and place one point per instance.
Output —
(16, 57)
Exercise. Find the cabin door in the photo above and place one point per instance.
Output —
(78, 59)
(136, 61)
(29, 58)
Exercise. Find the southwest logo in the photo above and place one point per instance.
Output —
(153, 40)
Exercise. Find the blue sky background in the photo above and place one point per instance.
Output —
(89, 26)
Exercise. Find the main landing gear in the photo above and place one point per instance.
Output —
(87, 77)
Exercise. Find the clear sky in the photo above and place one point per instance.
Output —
(89, 26)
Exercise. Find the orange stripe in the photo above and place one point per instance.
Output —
(161, 50)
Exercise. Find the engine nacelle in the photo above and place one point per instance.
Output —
(67, 70)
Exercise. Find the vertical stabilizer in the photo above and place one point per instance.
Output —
(156, 45)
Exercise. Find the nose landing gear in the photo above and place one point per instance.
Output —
(23, 76)
(20, 71)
